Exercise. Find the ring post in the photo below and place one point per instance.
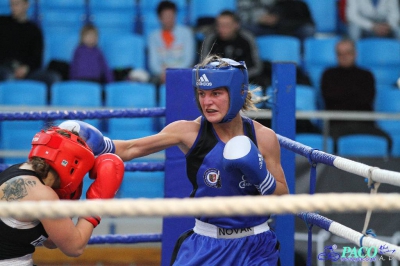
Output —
(284, 123)
(180, 105)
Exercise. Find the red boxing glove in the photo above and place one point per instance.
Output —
(108, 172)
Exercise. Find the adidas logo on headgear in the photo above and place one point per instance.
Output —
(203, 81)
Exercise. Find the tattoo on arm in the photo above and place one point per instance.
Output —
(16, 189)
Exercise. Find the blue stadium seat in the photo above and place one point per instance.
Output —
(150, 22)
(66, 5)
(59, 21)
(60, 46)
(23, 92)
(5, 8)
(142, 185)
(270, 48)
(117, 6)
(320, 51)
(305, 98)
(385, 75)
(208, 8)
(124, 50)
(17, 135)
(396, 145)
(113, 16)
(387, 100)
(362, 145)
(77, 94)
(126, 94)
(111, 22)
(378, 52)
(315, 141)
(324, 14)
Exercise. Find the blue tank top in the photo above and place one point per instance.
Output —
(209, 179)
(17, 242)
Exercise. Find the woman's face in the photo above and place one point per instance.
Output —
(214, 103)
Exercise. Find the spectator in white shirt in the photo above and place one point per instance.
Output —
(373, 18)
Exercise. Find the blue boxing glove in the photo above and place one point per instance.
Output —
(93, 137)
(242, 154)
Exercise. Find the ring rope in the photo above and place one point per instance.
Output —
(131, 167)
(124, 239)
(87, 114)
(360, 169)
(210, 206)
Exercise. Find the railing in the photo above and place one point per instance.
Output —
(326, 116)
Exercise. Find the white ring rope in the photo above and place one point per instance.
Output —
(377, 175)
(210, 206)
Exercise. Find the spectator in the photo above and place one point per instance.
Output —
(285, 17)
(347, 87)
(372, 18)
(21, 47)
(231, 41)
(172, 46)
(88, 62)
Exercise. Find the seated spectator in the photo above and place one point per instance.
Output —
(347, 87)
(88, 62)
(374, 18)
(285, 17)
(230, 41)
(172, 46)
(21, 47)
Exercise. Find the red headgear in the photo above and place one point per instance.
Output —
(69, 156)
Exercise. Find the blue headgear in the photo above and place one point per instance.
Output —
(234, 77)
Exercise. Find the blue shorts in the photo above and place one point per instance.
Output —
(195, 249)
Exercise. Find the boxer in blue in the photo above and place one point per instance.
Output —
(227, 154)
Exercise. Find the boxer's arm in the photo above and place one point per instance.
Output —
(171, 135)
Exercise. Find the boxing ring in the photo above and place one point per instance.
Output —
(176, 209)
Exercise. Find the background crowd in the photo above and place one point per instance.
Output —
(137, 41)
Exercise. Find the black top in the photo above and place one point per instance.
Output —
(20, 41)
(17, 242)
(348, 89)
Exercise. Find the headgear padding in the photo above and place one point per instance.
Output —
(233, 77)
(69, 156)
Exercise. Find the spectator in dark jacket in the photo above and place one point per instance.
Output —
(347, 87)
(231, 41)
(21, 47)
(285, 17)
